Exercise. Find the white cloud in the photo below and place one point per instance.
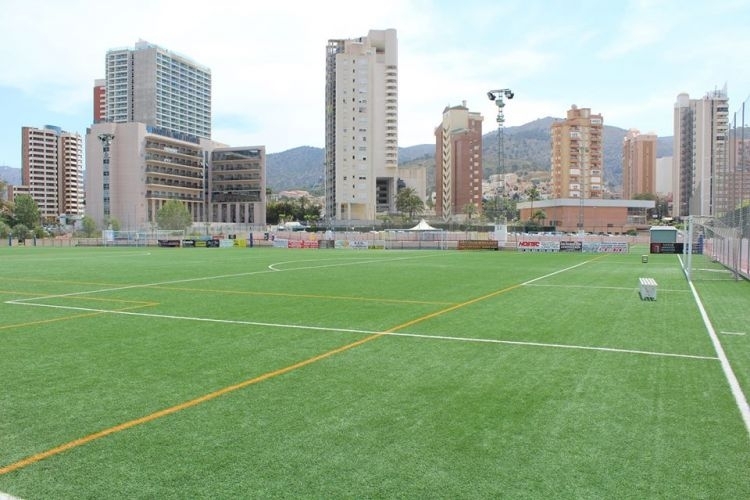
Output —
(627, 61)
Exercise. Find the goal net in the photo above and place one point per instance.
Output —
(715, 250)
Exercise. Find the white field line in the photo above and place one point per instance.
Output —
(734, 384)
(270, 269)
(732, 333)
(369, 332)
(343, 330)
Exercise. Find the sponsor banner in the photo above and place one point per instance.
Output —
(358, 244)
(302, 244)
(280, 243)
(226, 243)
(571, 246)
(538, 246)
(477, 245)
(529, 246)
(606, 247)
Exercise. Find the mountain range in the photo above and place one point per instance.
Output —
(526, 152)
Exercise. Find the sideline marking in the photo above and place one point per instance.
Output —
(268, 375)
(739, 396)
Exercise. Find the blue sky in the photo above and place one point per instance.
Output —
(626, 60)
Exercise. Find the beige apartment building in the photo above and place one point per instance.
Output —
(458, 162)
(52, 172)
(638, 164)
(134, 169)
(150, 143)
(361, 123)
(236, 184)
(577, 156)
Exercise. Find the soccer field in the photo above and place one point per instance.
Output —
(271, 373)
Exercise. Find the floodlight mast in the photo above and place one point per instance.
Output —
(498, 97)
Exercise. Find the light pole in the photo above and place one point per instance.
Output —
(498, 96)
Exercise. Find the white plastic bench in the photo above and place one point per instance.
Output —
(648, 288)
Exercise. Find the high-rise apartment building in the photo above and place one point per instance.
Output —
(52, 171)
(154, 145)
(638, 164)
(361, 120)
(458, 162)
(100, 100)
(701, 181)
(577, 156)
(157, 87)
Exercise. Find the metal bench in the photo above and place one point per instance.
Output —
(648, 288)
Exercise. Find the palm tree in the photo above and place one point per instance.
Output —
(409, 202)
(539, 216)
(533, 195)
(470, 209)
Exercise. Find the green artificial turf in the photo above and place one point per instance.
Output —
(367, 374)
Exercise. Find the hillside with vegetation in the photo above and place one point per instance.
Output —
(526, 152)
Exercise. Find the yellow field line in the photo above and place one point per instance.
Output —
(74, 316)
(207, 397)
(13, 292)
(301, 295)
(66, 282)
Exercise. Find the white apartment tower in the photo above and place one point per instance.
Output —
(52, 171)
(700, 175)
(361, 116)
(157, 87)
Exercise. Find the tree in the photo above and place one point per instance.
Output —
(112, 223)
(290, 210)
(539, 216)
(26, 211)
(21, 231)
(533, 194)
(89, 226)
(6, 209)
(409, 202)
(174, 215)
(470, 209)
